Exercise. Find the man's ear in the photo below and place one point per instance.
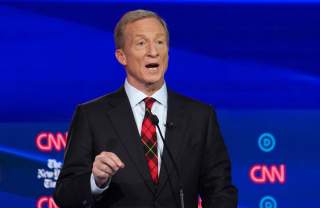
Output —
(121, 57)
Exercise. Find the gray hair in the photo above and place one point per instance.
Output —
(133, 16)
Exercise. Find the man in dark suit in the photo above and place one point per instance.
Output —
(115, 156)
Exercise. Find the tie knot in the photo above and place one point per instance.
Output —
(149, 102)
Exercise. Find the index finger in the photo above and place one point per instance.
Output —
(114, 158)
(117, 160)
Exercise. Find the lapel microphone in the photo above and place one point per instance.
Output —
(154, 119)
(169, 125)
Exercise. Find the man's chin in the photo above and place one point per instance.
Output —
(154, 83)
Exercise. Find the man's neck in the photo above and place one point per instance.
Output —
(147, 89)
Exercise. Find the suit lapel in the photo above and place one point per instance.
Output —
(174, 138)
(123, 122)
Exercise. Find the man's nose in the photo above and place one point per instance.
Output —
(152, 50)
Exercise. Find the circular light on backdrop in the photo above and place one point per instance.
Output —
(266, 142)
(268, 202)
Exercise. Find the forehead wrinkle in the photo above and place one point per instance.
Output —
(141, 34)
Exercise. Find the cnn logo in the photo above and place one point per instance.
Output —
(46, 202)
(48, 141)
(262, 174)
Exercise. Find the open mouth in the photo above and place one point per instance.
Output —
(152, 65)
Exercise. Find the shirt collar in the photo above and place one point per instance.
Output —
(135, 96)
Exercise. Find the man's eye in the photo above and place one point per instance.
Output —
(140, 43)
(160, 42)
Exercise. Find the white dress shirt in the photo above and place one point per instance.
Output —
(159, 108)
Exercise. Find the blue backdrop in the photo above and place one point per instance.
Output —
(257, 62)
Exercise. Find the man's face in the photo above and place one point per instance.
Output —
(145, 53)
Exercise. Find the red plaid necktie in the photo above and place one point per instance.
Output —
(149, 140)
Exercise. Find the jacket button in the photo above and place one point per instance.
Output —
(86, 204)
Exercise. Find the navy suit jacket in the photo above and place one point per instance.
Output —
(107, 124)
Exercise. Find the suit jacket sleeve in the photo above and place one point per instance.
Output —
(216, 189)
(73, 185)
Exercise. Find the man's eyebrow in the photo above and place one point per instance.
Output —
(161, 35)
